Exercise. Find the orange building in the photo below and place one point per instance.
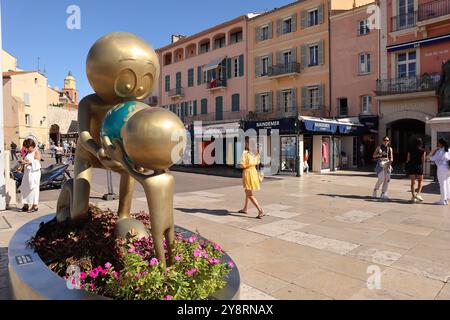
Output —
(415, 40)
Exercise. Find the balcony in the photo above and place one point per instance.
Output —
(404, 21)
(433, 9)
(212, 117)
(217, 84)
(284, 70)
(268, 114)
(423, 83)
(176, 93)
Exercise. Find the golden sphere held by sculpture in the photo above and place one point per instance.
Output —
(154, 138)
(122, 67)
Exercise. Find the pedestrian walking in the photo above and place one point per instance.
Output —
(13, 151)
(441, 156)
(305, 161)
(415, 161)
(73, 150)
(384, 156)
(52, 150)
(59, 151)
(65, 147)
(250, 177)
(31, 177)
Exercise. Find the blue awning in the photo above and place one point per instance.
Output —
(319, 125)
(418, 43)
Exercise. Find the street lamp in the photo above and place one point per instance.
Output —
(2, 131)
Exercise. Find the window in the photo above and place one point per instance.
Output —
(28, 120)
(287, 57)
(364, 63)
(219, 43)
(313, 55)
(265, 102)
(205, 77)
(343, 107)
(190, 77)
(363, 27)
(286, 102)
(366, 104)
(235, 66)
(287, 25)
(406, 16)
(236, 37)
(406, 64)
(313, 17)
(265, 32)
(235, 103)
(264, 66)
(189, 108)
(26, 99)
(312, 99)
(204, 47)
(167, 83)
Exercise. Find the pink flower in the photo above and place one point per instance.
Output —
(192, 239)
(205, 255)
(74, 281)
(116, 275)
(108, 265)
(177, 258)
(197, 253)
(191, 271)
(100, 269)
(138, 275)
(131, 250)
(153, 261)
(92, 286)
(82, 275)
(168, 298)
(231, 264)
(217, 247)
(214, 261)
(93, 273)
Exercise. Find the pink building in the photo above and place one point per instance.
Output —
(203, 78)
(354, 71)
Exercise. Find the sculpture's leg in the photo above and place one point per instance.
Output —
(125, 195)
(64, 203)
(159, 191)
(170, 240)
(81, 188)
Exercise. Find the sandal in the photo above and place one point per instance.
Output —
(34, 209)
(260, 215)
(25, 209)
(243, 212)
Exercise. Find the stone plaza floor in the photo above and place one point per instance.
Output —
(323, 237)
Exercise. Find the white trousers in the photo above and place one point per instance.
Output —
(306, 166)
(384, 177)
(443, 174)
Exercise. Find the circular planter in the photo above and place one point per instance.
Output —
(31, 279)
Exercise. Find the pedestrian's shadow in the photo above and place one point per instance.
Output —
(219, 213)
(365, 198)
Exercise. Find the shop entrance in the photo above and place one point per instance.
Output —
(308, 151)
(403, 133)
(288, 153)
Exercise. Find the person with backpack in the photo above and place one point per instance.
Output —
(385, 157)
(441, 157)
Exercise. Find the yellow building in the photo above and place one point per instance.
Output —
(289, 82)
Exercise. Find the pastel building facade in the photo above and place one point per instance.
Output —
(354, 72)
(415, 39)
(204, 78)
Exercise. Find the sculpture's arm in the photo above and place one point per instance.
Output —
(84, 124)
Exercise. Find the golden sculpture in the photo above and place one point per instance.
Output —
(121, 69)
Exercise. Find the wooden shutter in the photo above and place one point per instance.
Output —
(321, 52)
(190, 77)
(303, 18)
(229, 65)
(305, 97)
(294, 22)
(270, 30)
(195, 107)
(293, 99)
(204, 103)
(279, 27)
(258, 102)
(270, 102)
(258, 66)
(320, 9)
(199, 75)
(167, 83)
(304, 55)
(321, 95)
(258, 34)
(269, 62)
(235, 102)
(294, 54)
(241, 65)
(279, 101)
(279, 59)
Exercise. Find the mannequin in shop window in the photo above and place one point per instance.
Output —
(305, 161)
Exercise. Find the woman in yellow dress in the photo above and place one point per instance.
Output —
(250, 177)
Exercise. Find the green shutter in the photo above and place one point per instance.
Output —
(219, 108)
(303, 18)
(304, 54)
(321, 95)
(229, 68)
(279, 27)
(241, 65)
(204, 106)
(167, 85)
(195, 107)
(305, 97)
(258, 34)
(190, 77)
(199, 75)
(321, 52)
(258, 67)
(258, 102)
(235, 102)
(270, 30)
(279, 102)
(178, 80)
(294, 22)
(321, 11)
(270, 102)
(293, 99)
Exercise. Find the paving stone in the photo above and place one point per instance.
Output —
(445, 292)
(355, 216)
(207, 194)
(262, 281)
(294, 292)
(396, 239)
(376, 256)
(333, 245)
(281, 214)
(276, 207)
(250, 293)
(423, 267)
(277, 228)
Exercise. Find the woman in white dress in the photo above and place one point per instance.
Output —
(31, 177)
(441, 157)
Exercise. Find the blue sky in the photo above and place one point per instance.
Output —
(33, 29)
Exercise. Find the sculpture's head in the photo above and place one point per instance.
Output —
(122, 67)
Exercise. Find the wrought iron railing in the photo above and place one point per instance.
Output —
(152, 101)
(281, 69)
(213, 117)
(219, 83)
(176, 92)
(433, 9)
(404, 21)
(425, 82)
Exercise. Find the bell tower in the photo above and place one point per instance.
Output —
(70, 88)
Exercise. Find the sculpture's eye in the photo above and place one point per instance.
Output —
(125, 83)
(145, 86)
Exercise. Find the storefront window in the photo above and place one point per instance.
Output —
(326, 144)
(288, 153)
